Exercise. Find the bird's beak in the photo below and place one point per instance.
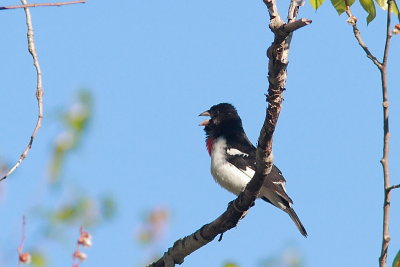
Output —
(205, 113)
(205, 122)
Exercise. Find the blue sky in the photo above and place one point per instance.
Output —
(152, 67)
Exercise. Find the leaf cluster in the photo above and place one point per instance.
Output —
(368, 5)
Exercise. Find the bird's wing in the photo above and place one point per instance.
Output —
(243, 159)
(276, 182)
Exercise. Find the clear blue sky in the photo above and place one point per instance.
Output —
(153, 66)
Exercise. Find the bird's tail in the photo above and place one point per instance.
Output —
(296, 220)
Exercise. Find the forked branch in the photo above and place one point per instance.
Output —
(277, 54)
(357, 34)
(382, 66)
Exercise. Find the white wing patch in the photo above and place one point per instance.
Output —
(236, 152)
(281, 184)
(234, 179)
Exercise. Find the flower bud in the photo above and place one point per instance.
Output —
(25, 258)
(396, 29)
(85, 239)
(352, 20)
(80, 255)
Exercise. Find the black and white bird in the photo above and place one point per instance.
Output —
(233, 159)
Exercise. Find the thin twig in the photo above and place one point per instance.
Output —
(43, 4)
(386, 139)
(390, 188)
(39, 89)
(388, 33)
(22, 243)
(357, 35)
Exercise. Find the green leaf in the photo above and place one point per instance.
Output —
(80, 112)
(316, 3)
(395, 8)
(369, 6)
(66, 214)
(340, 5)
(396, 261)
(108, 207)
(38, 259)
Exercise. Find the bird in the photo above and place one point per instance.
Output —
(233, 159)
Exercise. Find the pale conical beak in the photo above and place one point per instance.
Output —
(205, 122)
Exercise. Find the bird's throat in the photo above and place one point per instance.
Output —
(209, 144)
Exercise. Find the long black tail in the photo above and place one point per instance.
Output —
(296, 220)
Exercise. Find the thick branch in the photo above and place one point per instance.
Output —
(39, 89)
(277, 54)
(43, 4)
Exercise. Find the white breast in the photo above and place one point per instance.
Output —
(226, 174)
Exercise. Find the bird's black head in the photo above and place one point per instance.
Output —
(224, 121)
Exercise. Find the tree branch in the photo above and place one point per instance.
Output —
(386, 134)
(386, 140)
(277, 54)
(357, 34)
(295, 25)
(39, 89)
(390, 188)
(43, 4)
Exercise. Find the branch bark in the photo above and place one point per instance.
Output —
(277, 54)
(43, 4)
(39, 89)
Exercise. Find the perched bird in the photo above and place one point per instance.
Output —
(233, 159)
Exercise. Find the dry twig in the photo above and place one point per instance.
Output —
(43, 4)
(39, 89)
